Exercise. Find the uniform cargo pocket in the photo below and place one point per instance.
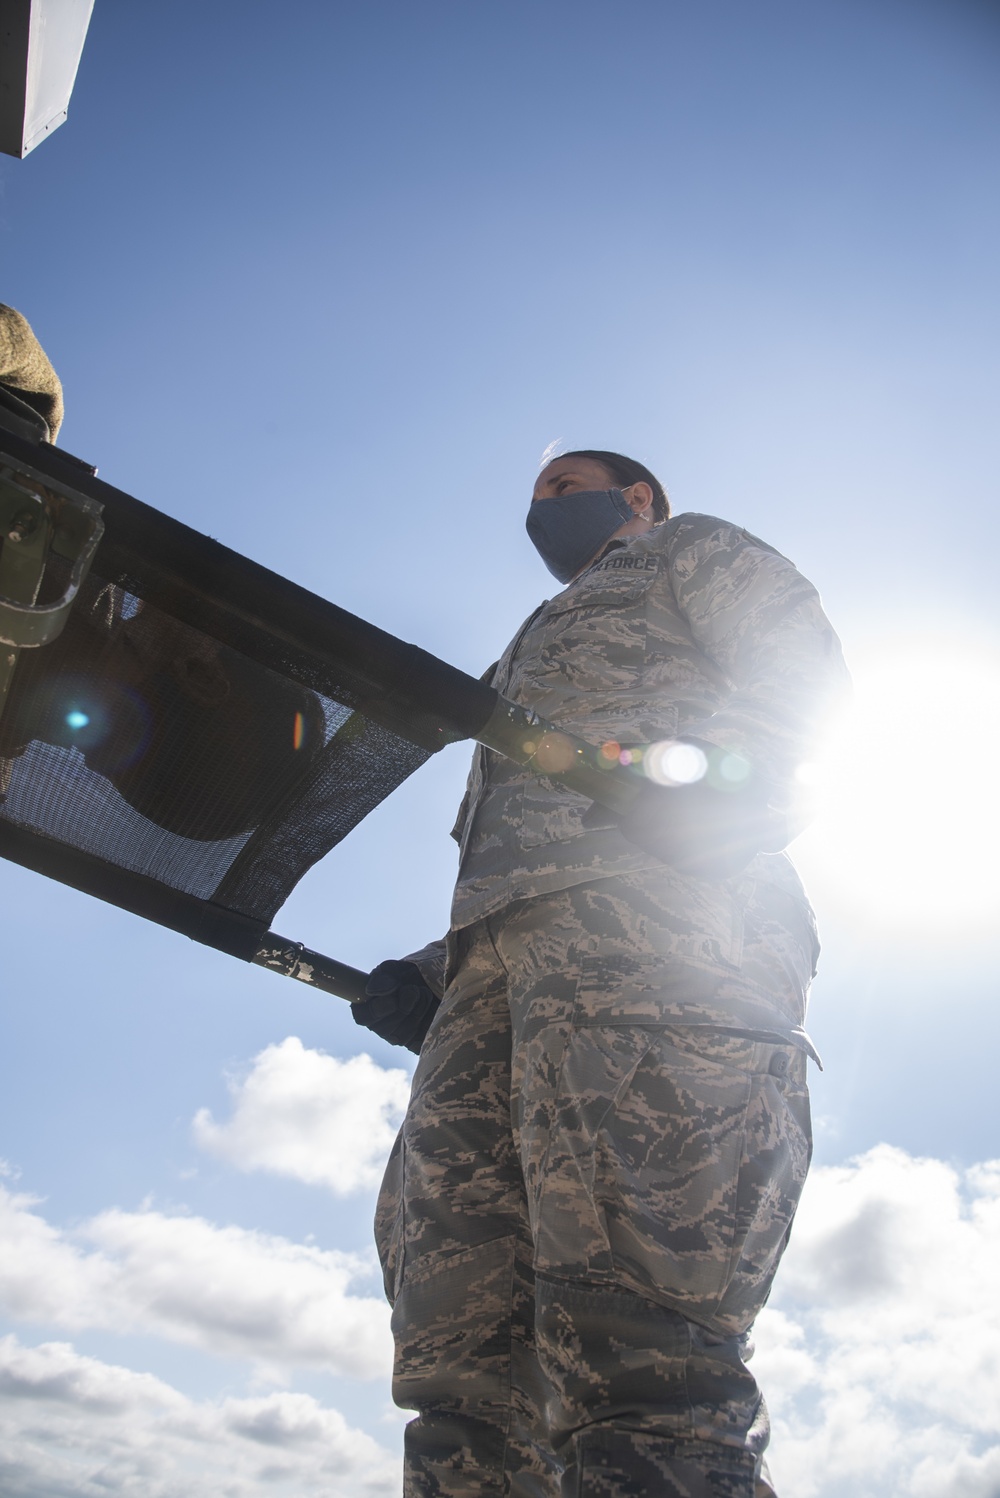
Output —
(776, 1153)
(452, 1325)
(390, 1221)
(640, 1186)
(666, 1174)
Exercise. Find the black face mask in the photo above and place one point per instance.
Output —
(568, 530)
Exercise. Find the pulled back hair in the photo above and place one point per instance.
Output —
(626, 471)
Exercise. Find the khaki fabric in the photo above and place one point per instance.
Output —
(584, 1212)
(695, 627)
(609, 1124)
(25, 369)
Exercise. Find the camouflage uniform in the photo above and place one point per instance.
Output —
(609, 1128)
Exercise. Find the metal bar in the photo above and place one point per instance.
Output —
(215, 926)
(294, 960)
(520, 735)
(545, 749)
(282, 626)
(267, 618)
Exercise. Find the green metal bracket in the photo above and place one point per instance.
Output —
(39, 520)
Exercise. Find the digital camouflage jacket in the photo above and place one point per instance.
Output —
(697, 628)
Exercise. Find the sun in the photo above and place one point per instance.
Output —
(909, 836)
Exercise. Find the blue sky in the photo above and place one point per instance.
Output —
(324, 282)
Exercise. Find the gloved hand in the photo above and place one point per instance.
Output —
(399, 1006)
(711, 828)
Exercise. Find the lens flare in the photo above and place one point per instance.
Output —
(810, 774)
(555, 753)
(672, 762)
(733, 770)
(77, 719)
(910, 819)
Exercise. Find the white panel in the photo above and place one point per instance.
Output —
(39, 67)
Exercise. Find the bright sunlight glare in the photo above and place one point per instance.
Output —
(910, 831)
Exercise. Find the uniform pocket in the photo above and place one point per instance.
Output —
(549, 813)
(673, 939)
(673, 1169)
(776, 1152)
(390, 1221)
(640, 1185)
(781, 945)
(592, 638)
(452, 1326)
(666, 1177)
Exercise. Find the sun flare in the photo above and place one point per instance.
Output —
(910, 831)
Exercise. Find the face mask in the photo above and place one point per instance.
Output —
(568, 530)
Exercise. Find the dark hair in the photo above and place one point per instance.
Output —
(626, 471)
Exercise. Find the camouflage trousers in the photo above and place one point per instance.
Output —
(582, 1216)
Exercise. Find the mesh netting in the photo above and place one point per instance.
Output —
(156, 749)
(203, 730)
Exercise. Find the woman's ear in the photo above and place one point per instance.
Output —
(640, 498)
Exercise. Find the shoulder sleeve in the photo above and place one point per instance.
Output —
(25, 368)
(431, 961)
(760, 621)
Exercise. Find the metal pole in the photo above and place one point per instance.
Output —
(294, 960)
(545, 749)
(520, 735)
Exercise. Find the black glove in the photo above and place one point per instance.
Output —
(711, 829)
(399, 1006)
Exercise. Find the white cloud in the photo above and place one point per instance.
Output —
(225, 1290)
(878, 1357)
(73, 1425)
(303, 1114)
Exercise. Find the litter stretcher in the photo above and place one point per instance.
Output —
(184, 733)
